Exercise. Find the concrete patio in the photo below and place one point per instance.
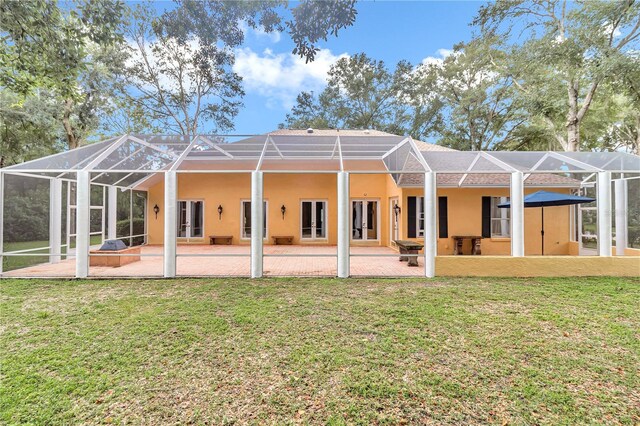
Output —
(234, 260)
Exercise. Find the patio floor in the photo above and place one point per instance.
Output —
(235, 261)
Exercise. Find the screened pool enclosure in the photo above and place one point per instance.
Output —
(58, 210)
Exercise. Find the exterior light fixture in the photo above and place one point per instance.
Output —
(219, 211)
(156, 210)
(283, 209)
(397, 210)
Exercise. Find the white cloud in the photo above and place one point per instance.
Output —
(437, 60)
(281, 76)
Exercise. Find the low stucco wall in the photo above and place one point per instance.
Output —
(631, 252)
(537, 266)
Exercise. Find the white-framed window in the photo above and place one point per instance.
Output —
(500, 218)
(245, 220)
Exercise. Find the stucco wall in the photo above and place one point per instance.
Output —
(464, 209)
(279, 189)
(465, 218)
(631, 252)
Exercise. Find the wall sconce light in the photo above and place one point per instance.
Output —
(283, 209)
(397, 210)
(219, 211)
(156, 210)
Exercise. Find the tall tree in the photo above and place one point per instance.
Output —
(220, 21)
(476, 102)
(29, 127)
(562, 47)
(180, 83)
(181, 69)
(65, 52)
(361, 93)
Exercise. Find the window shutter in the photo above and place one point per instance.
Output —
(411, 217)
(443, 220)
(486, 217)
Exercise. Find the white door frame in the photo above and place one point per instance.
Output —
(188, 230)
(313, 237)
(586, 251)
(365, 211)
(394, 222)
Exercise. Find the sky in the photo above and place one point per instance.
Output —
(391, 31)
(388, 31)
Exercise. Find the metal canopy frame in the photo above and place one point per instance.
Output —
(129, 160)
(114, 161)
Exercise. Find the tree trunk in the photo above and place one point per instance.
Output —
(573, 135)
(573, 121)
(72, 140)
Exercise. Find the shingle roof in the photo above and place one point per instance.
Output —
(490, 179)
(422, 146)
(425, 146)
(330, 132)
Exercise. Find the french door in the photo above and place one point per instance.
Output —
(313, 222)
(364, 220)
(190, 219)
(246, 219)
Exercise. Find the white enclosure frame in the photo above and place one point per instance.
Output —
(168, 156)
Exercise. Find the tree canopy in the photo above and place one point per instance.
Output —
(528, 79)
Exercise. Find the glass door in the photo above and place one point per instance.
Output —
(190, 219)
(313, 222)
(364, 224)
(246, 220)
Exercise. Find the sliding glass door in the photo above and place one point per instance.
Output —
(314, 220)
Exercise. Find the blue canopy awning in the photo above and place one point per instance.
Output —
(549, 199)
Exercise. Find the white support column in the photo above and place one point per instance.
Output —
(1, 221)
(430, 230)
(112, 214)
(83, 201)
(343, 225)
(170, 223)
(55, 220)
(604, 214)
(257, 224)
(621, 216)
(517, 214)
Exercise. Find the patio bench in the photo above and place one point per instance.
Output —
(220, 239)
(409, 247)
(475, 244)
(282, 240)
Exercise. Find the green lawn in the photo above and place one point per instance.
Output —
(16, 262)
(320, 351)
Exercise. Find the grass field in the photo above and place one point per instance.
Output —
(9, 263)
(312, 351)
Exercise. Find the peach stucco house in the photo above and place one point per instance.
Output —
(310, 205)
(350, 190)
